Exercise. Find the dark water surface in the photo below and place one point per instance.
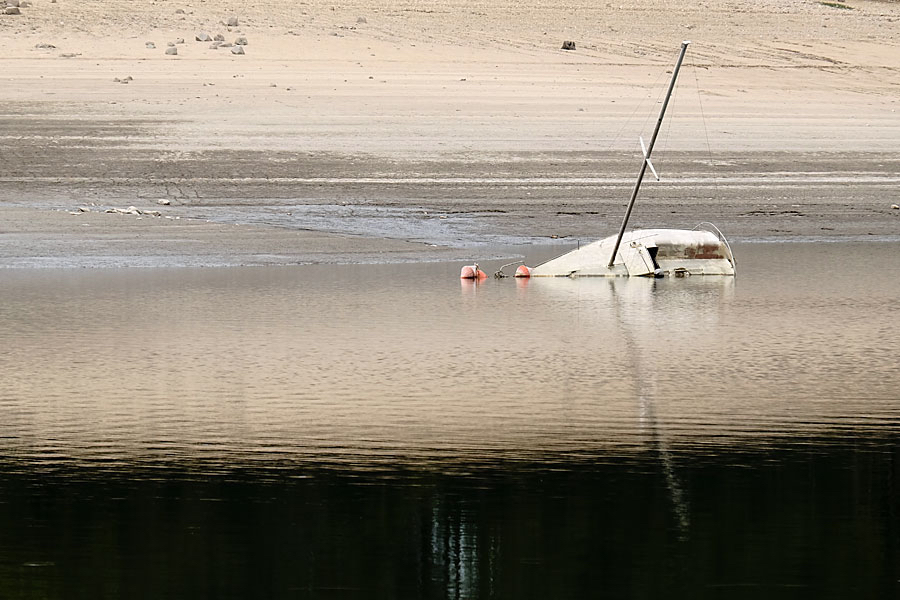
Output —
(392, 432)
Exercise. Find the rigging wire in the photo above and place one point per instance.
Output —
(674, 108)
(639, 105)
(662, 142)
(705, 129)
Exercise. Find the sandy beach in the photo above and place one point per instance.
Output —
(371, 132)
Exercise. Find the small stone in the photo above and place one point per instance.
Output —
(179, 11)
(568, 45)
(179, 41)
(219, 37)
(14, 3)
(45, 46)
(131, 210)
(895, 206)
(203, 37)
(170, 44)
(150, 45)
(241, 41)
(172, 51)
(164, 201)
(361, 20)
(13, 10)
(232, 22)
(25, 4)
(237, 49)
(215, 45)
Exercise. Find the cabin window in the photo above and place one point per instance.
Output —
(652, 252)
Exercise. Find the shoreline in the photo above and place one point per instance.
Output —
(411, 131)
(43, 238)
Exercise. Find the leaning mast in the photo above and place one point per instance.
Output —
(646, 162)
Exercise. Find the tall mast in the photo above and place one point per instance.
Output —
(647, 151)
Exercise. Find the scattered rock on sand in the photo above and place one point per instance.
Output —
(179, 41)
(44, 46)
(12, 10)
(219, 37)
(237, 50)
(203, 37)
(895, 206)
(172, 51)
(241, 41)
(361, 20)
(125, 80)
(132, 210)
(14, 3)
(179, 11)
(150, 45)
(568, 45)
(232, 22)
(164, 201)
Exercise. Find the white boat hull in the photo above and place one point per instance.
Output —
(645, 253)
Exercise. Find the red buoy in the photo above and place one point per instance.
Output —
(523, 271)
(472, 272)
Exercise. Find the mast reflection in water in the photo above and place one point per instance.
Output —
(390, 432)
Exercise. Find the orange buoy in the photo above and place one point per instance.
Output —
(523, 271)
(472, 272)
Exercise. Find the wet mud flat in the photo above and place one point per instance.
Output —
(257, 206)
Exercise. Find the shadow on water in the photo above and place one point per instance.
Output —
(394, 432)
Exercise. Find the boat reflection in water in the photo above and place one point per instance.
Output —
(384, 431)
(638, 318)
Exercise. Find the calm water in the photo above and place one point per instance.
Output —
(392, 432)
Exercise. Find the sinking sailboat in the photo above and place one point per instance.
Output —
(646, 252)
